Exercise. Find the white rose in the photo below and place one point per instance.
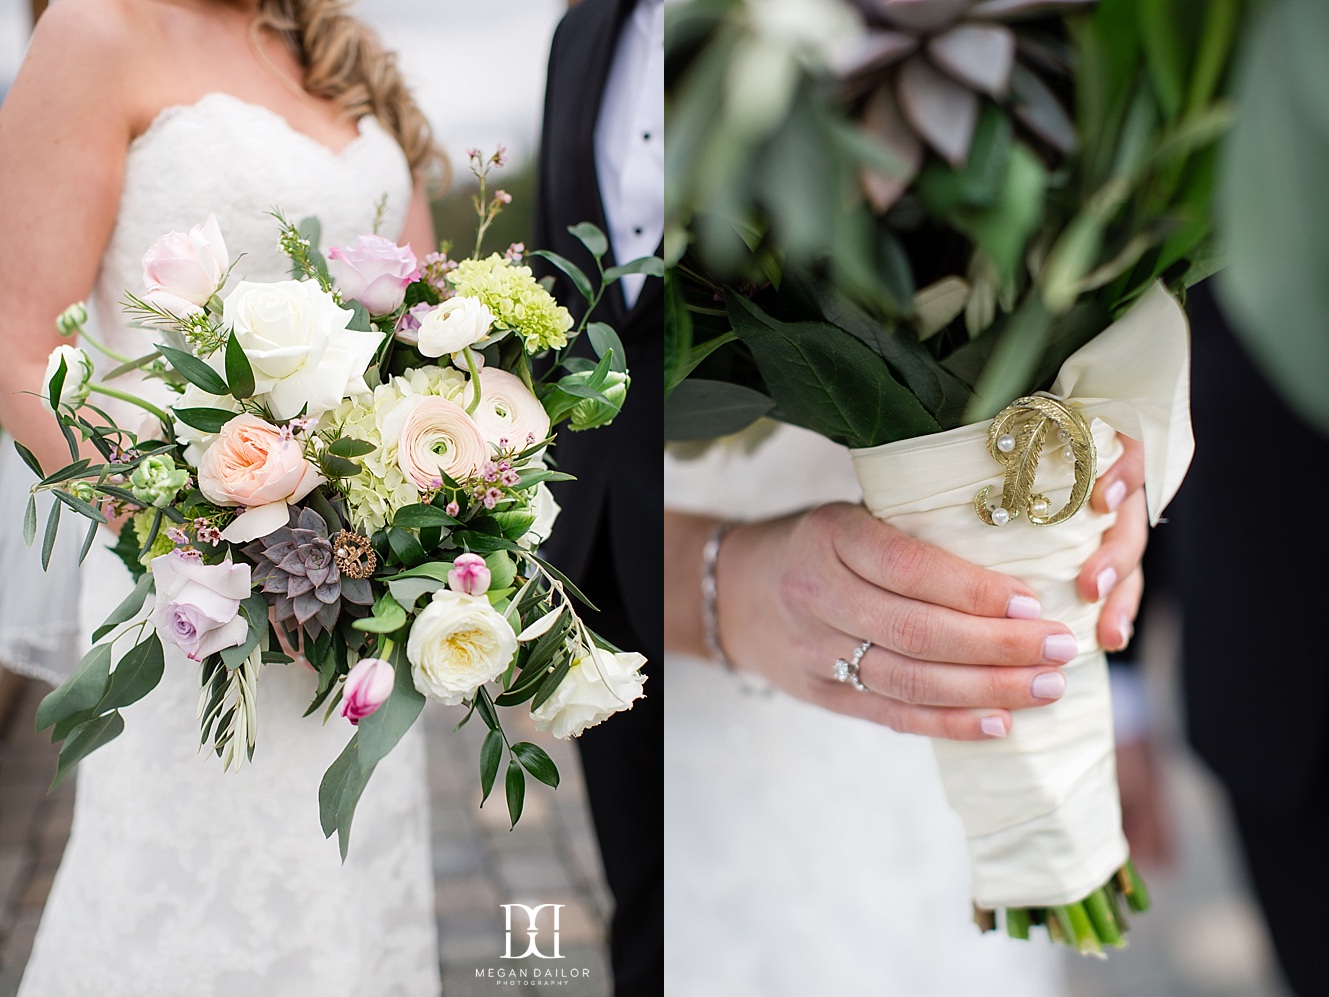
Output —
(597, 686)
(296, 339)
(457, 644)
(78, 375)
(454, 325)
(546, 511)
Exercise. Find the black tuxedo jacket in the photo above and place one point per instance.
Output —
(619, 469)
(1250, 550)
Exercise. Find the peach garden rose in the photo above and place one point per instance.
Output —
(253, 464)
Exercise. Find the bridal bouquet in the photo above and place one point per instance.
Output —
(350, 468)
(950, 234)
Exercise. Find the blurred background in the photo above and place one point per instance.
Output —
(478, 70)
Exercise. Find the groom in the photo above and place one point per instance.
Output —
(602, 160)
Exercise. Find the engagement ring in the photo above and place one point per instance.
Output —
(847, 671)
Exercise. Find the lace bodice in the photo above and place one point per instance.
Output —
(180, 878)
(241, 161)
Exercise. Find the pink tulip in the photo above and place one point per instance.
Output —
(367, 687)
(469, 575)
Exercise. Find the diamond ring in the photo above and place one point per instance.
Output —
(847, 671)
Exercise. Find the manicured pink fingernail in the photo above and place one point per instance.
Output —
(1106, 579)
(1115, 493)
(1023, 607)
(1127, 629)
(1060, 647)
(1049, 685)
(993, 726)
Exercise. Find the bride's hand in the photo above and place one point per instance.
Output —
(1113, 573)
(955, 647)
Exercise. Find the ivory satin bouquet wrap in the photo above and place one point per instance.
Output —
(954, 236)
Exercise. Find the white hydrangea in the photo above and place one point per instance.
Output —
(375, 495)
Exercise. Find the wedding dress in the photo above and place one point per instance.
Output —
(809, 852)
(179, 878)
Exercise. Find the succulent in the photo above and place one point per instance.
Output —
(924, 66)
(297, 564)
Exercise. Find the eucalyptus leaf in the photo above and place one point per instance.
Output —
(48, 541)
(591, 237)
(30, 459)
(30, 521)
(136, 674)
(85, 739)
(128, 607)
(80, 692)
(347, 447)
(605, 341)
(579, 279)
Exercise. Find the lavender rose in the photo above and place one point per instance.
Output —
(374, 271)
(198, 604)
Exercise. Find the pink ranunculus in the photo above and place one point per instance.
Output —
(251, 464)
(181, 272)
(367, 687)
(438, 436)
(198, 605)
(507, 409)
(373, 271)
(469, 575)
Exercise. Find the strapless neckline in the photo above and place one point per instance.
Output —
(173, 112)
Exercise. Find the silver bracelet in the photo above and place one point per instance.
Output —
(710, 615)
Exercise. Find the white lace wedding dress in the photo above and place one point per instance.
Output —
(180, 879)
(808, 852)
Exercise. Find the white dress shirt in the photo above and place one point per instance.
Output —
(629, 141)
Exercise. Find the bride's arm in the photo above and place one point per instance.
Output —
(64, 131)
(418, 231)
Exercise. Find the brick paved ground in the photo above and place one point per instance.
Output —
(478, 863)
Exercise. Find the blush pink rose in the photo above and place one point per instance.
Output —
(181, 272)
(438, 436)
(368, 686)
(198, 605)
(252, 464)
(374, 271)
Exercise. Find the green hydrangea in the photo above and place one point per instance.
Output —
(516, 300)
(142, 527)
(374, 496)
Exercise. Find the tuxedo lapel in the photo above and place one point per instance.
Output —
(603, 40)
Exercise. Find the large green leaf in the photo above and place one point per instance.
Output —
(1274, 203)
(85, 739)
(81, 691)
(701, 410)
(136, 675)
(824, 379)
(376, 735)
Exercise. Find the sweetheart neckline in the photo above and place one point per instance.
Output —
(173, 111)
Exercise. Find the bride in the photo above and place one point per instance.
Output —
(130, 119)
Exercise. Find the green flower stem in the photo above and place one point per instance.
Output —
(1104, 918)
(84, 337)
(1091, 924)
(125, 396)
(385, 649)
(1017, 923)
(1137, 894)
(475, 380)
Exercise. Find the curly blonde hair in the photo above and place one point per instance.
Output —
(345, 63)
